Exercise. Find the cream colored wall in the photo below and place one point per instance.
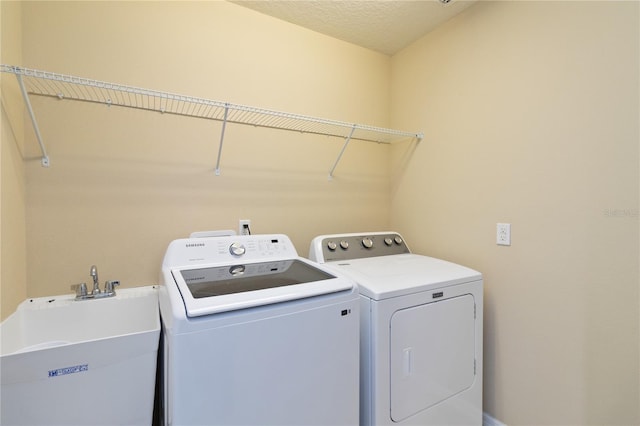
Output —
(531, 116)
(13, 281)
(124, 183)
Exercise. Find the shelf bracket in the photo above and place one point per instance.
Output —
(224, 126)
(25, 96)
(344, 147)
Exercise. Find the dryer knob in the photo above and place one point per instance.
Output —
(388, 241)
(398, 240)
(332, 246)
(237, 249)
(344, 244)
(367, 242)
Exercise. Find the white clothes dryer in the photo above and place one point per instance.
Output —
(421, 330)
(255, 335)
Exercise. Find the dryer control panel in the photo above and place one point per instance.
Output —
(337, 247)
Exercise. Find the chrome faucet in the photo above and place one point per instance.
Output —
(83, 294)
(96, 282)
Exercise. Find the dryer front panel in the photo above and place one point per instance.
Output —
(432, 355)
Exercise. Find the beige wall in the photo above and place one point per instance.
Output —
(13, 281)
(530, 111)
(531, 116)
(124, 183)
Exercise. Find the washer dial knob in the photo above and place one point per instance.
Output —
(398, 240)
(237, 270)
(344, 244)
(388, 241)
(237, 249)
(332, 246)
(367, 242)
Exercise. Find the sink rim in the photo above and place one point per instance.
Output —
(25, 329)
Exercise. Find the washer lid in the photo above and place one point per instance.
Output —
(391, 276)
(210, 290)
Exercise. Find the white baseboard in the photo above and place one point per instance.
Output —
(487, 420)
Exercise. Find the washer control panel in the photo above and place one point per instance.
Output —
(331, 248)
(229, 249)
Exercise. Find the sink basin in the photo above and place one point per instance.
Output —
(86, 362)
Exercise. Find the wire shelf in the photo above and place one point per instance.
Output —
(44, 83)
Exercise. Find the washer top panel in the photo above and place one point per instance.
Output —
(220, 274)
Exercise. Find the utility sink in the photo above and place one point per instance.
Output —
(80, 362)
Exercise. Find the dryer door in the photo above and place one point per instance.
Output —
(432, 354)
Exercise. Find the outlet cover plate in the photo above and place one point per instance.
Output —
(503, 234)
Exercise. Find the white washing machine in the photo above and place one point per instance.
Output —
(421, 330)
(255, 335)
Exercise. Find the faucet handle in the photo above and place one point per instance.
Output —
(80, 289)
(110, 286)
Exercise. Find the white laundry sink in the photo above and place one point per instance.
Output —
(85, 362)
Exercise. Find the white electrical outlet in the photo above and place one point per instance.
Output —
(244, 227)
(503, 234)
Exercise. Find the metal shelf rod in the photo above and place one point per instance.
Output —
(25, 96)
(344, 147)
(224, 126)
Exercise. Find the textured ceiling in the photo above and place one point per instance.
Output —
(386, 26)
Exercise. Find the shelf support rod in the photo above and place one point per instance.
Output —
(344, 147)
(224, 126)
(25, 96)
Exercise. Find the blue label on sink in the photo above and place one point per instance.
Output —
(69, 370)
